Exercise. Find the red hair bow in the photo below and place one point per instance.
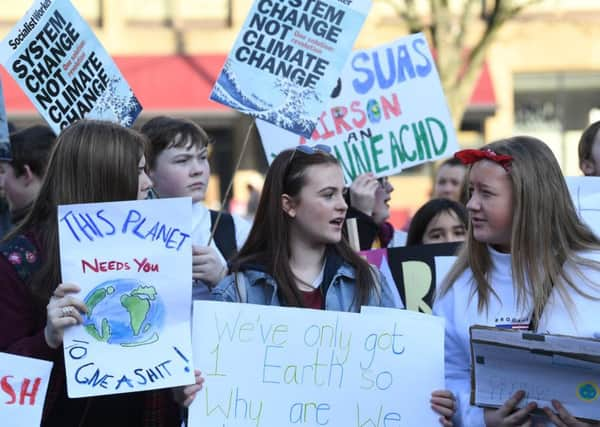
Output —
(468, 157)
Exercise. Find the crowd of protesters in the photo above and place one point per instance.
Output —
(541, 271)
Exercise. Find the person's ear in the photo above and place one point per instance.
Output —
(28, 175)
(289, 205)
(588, 167)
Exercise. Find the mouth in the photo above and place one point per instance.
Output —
(338, 222)
(196, 186)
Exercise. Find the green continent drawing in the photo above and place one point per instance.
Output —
(97, 296)
(125, 312)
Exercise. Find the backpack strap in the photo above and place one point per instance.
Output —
(224, 234)
(21, 253)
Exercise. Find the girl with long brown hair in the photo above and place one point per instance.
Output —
(92, 161)
(295, 254)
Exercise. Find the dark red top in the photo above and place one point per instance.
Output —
(22, 333)
(313, 299)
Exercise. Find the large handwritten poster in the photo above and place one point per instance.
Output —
(417, 271)
(23, 386)
(133, 262)
(273, 366)
(388, 112)
(59, 63)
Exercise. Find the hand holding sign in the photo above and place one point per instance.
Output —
(362, 193)
(63, 310)
(207, 265)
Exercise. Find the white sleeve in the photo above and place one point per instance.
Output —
(242, 229)
(458, 364)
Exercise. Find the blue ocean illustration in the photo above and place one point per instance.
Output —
(291, 115)
(119, 102)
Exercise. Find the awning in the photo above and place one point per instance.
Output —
(183, 83)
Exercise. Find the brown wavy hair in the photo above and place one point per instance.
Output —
(268, 241)
(92, 161)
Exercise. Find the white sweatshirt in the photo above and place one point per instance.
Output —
(459, 307)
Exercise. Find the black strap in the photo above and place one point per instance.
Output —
(224, 234)
(21, 253)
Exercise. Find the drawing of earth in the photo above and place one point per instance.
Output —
(126, 312)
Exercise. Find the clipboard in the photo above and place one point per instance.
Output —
(545, 366)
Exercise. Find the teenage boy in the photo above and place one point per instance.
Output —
(177, 159)
(21, 175)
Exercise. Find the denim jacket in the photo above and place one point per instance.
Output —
(261, 288)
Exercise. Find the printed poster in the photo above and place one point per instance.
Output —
(5, 153)
(59, 63)
(23, 386)
(287, 58)
(133, 262)
(275, 366)
(387, 113)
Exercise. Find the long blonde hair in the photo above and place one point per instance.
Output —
(546, 232)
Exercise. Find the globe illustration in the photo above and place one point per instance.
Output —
(125, 312)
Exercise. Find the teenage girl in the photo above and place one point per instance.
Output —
(92, 161)
(295, 254)
(528, 262)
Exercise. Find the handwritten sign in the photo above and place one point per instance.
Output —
(585, 193)
(545, 366)
(133, 263)
(274, 366)
(5, 153)
(23, 386)
(416, 270)
(59, 63)
(287, 58)
(388, 113)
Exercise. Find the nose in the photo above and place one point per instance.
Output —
(196, 167)
(146, 182)
(341, 205)
(473, 203)
(389, 187)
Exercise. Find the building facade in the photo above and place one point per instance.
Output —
(542, 77)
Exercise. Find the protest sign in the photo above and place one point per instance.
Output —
(59, 63)
(5, 153)
(416, 270)
(388, 113)
(132, 261)
(585, 193)
(23, 386)
(274, 366)
(544, 366)
(287, 58)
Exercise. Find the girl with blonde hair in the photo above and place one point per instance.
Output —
(528, 263)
